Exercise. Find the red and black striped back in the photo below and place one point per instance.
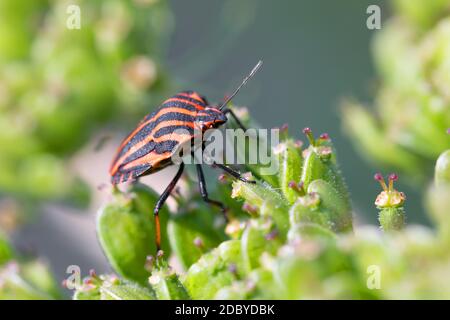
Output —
(150, 145)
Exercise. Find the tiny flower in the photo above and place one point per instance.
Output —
(279, 148)
(247, 176)
(233, 228)
(223, 178)
(232, 268)
(284, 128)
(308, 132)
(298, 187)
(198, 242)
(389, 197)
(311, 200)
(159, 254)
(149, 262)
(324, 152)
(114, 279)
(250, 285)
(324, 137)
(271, 235)
(154, 279)
(249, 208)
(298, 144)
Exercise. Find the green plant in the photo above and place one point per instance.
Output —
(292, 237)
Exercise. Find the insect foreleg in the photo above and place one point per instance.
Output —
(239, 123)
(162, 199)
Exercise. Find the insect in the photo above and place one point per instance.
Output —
(151, 145)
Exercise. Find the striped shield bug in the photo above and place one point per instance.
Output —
(151, 145)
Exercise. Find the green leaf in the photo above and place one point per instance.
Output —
(269, 201)
(167, 286)
(214, 270)
(187, 227)
(335, 203)
(258, 237)
(310, 231)
(109, 287)
(442, 169)
(125, 291)
(290, 167)
(125, 228)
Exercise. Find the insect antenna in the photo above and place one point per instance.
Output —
(251, 74)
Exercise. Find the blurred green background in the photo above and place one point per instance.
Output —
(67, 97)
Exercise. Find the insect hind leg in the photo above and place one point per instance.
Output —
(162, 199)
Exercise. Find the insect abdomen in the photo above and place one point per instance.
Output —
(150, 145)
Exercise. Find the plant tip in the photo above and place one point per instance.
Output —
(292, 184)
(378, 177)
(92, 273)
(198, 242)
(271, 235)
(222, 178)
(308, 132)
(249, 208)
(284, 127)
(232, 268)
(393, 177)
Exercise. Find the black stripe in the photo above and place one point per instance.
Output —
(134, 172)
(146, 149)
(125, 176)
(169, 129)
(193, 100)
(165, 146)
(138, 170)
(147, 129)
(178, 104)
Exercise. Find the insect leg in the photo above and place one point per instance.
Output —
(239, 123)
(232, 172)
(162, 199)
(204, 192)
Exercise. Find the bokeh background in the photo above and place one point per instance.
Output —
(125, 60)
